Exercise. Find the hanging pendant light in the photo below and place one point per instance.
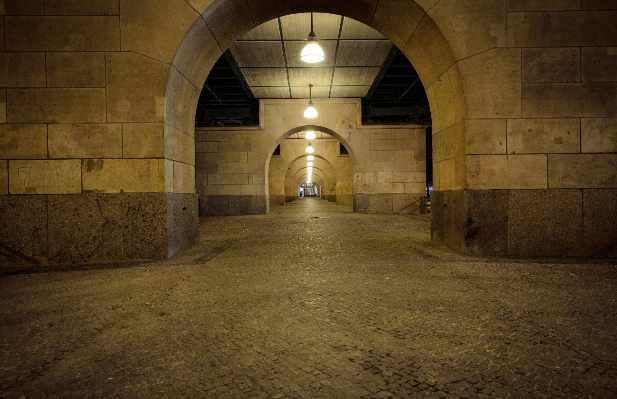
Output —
(310, 112)
(309, 164)
(310, 157)
(312, 52)
(310, 135)
(310, 149)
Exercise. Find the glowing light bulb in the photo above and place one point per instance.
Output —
(310, 135)
(310, 149)
(309, 164)
(310, 157)
(310, 112)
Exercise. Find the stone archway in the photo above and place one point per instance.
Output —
(405, 23)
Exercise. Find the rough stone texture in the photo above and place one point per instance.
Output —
(45, 177)
(224, 205)
(85, 140)
(82, 33)
(24, 232)
(75, 69)
(536, 136)
(85, 228)
(182, 222)
(94, 228)
(551, 65)
(486, 225)
(21, 141)
(123, 175)
(599, 227)
(54, 105)
(599, 135)
(582, 171)
(277, 200)
(537, 227)
(22, 70)
(4, 177)
(312, 302)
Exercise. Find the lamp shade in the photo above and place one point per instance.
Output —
(310, 112)
(310, 149)
(310, 135)
(312, 52)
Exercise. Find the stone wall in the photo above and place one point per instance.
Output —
(384, 173)
(99, 98)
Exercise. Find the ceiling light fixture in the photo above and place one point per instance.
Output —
(310, 111)
(312, 53)
(310, 149)
(310, 157)
(309, 164)
(310, 135)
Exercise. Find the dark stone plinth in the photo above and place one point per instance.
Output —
(182, 222)
(526, 223)
(331, 198)
(277, 200)
(94, 228)
(228, 205)
(545, 223)
(290, 198)
(600, 223)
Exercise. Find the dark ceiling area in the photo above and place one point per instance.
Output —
(231, 93)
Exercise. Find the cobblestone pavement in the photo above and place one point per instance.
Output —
(312, 301)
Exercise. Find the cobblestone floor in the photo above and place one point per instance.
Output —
(312, 301)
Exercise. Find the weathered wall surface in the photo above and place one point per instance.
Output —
(97, 101)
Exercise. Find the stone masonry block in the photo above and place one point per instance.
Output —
(56, 105)
(543, 5)
(143, 140)
(179, 146)
(506, 171)
(555, 100)
(552, 64)
(23, 141)
(184, 178)
(533, 136)
(599, 5)
(598, 64)
(80, 7)
(206, 146)
(24, 7)
(76, 69)
(80, 33)
(540, 227)
(226, 31)
(123, 175)
(45, 177)
(582, 171)
(4, 177)
(599, 135)
(599, 227)
(449, 142)
(85, 141)
(22, 69)
(229, 179)
(2, 105)
(471, 26)
(135, 88)
(492, 84)
(485, 136)
(562, 29)
(396, 22)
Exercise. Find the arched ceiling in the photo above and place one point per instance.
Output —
(265, 63)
